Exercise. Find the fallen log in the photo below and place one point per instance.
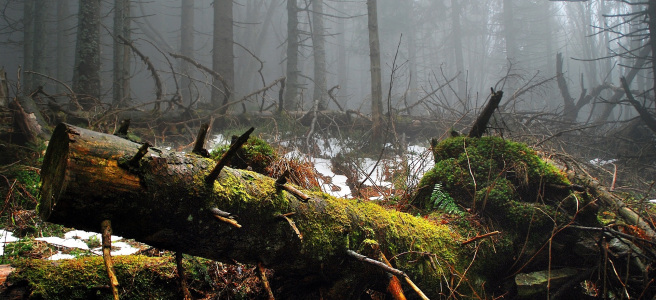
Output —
(163, 199)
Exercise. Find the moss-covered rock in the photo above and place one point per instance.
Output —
(506, 180)
(512, 189)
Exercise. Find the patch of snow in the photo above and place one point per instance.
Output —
(6, 237)
(323, 167)
(86, 235)
(218, 139)
(601, 162)
(653, 201)
(59, 255)
(123, 249)
(68, 243)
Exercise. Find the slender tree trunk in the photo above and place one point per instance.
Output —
(121, 86)
(28, 44)
(651, 15)
(457, 47)
(86, 74)
(509, 30)
(291, 91)
(342, 58)
(223, 54)
(186, 47)
(376, 76)
(411, 97)
(319, 47)
(62, 63)
(40, 41)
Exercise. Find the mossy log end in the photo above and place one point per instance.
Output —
(164, 201)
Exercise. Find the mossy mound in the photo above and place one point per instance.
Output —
(513, 190)
(256, 153)
(505, 180)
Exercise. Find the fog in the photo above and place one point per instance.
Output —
(466, 46)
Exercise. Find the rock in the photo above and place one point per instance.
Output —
(530, 285)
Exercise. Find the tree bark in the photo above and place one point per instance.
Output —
(86, 74)
(187, 49)
(28, 44)
(376, 74)
(223, 54)
(319, 47)
(291, 97)
(163, 200)
(122, 18)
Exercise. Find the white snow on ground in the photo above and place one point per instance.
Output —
(123, 249)
(59, 255)
(68, 243)
(323, 167)
(77, 239)
(6, 237)
(601, 162)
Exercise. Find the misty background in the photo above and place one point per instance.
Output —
(472, 45)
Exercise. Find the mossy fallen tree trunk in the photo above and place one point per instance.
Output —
(163, 200)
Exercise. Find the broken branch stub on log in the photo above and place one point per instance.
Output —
(164, 201)
(480, 126)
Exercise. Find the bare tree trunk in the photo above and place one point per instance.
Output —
(456, 32)
(342, 59)
(508, 30)
(121, 87)
(186, 47)
(86, 74)
(62, 63)
(40, 41)
(319, 47)
(376, 75)
(651, 16)
(223, 54)
(291, 91)
(28, 44)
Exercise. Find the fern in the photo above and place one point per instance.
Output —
(442, 200)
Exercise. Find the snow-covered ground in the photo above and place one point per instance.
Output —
(76, 239)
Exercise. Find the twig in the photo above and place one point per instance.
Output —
(224, 217)
(482, 236)
(151, 68)
(70, 90)
(265, 282)
(292, 224)
(388, 269)
(223, 161)
(106, 228)
(281, 183)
